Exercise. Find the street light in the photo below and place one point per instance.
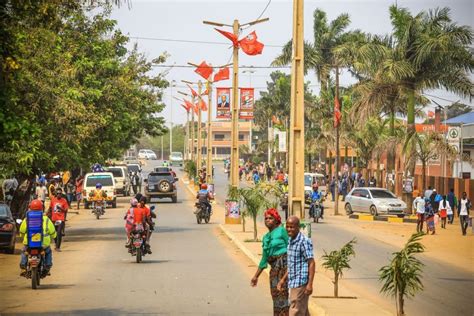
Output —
(173, 84)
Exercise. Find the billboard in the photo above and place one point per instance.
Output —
(246, 103)
(223, 103)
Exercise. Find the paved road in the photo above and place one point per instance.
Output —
(448, 290)
(193, 270)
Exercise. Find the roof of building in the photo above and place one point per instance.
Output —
(467, 118)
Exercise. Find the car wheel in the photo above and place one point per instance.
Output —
(174, 198)
(348, 209)
(164, 186)
(373, 211)
(114, 204)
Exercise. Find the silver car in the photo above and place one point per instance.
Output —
(374, 201)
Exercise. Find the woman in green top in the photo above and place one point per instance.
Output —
(274, 245)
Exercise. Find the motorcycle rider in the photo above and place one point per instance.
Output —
(49, 232)
(98, 195)
(204, 196)
(149, 225)
(315, 195)
(135, 215)
(59, 207)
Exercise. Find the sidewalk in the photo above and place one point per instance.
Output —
(322, 301)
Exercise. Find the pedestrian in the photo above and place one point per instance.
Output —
(9, 187)
(332, 188)
(419, 206)
(301, 268)
(41, 193)
(134, 181)
(453, 203)
(256, 177)
(70, 191)
(463, 212)
(444, 210)
(274, 248)
(79, 188)
(372, 182)
(428, 192)
(344, 188)
(269, 173)
(430, 213)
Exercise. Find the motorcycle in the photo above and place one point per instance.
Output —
(315, 210)
(59, 225)
(138, 245)
(202, 213)
(98, 208)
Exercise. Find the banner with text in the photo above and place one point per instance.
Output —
(246, 103)
(223, 103)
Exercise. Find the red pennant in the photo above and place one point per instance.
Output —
(192, 91)
(205, 92)
(185, 107)
(337, 113)
(202, 105)
(189, 105)
(250, 45)
(196, 108)
(204, 70)
(230, 36)
(222, 74)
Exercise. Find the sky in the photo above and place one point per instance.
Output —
(152, 23)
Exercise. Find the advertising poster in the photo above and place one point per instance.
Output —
(246, 103)
(223, 103)
(232, 209)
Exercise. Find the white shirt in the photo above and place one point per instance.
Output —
(41, 192)
(419, 205)
(463, 210)
(446, 207)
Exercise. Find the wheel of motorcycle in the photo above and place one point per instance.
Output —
(206, 219)
(38, 279)
(34, 278)
(97, 215)
(59, 236)
(139, 255)
(317, 219)
(198, 218)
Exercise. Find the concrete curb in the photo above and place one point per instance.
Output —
(409, 219)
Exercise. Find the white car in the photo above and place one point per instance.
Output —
(374, 201)
(176, 158)
(108, 185)
(122, 179)
(147, 154)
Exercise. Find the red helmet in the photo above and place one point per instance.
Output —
(204, 186)
(36, 205)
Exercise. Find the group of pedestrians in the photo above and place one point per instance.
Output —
(430, 205)
(290, 255)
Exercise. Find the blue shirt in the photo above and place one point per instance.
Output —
(300, 250)
(315, 195)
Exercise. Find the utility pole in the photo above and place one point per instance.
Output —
(199, 136)
(234, 154)
(161, 147)
(337, 167)
(296, 154)
(190, 145)
(173, 84)
(209, 132)
(250, 72)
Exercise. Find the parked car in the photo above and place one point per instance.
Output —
(7, 229)
(122, 179)
(159, 185)
(309, 179)
(108, 185)
(147, 154)
(374, 201)
(176, 158)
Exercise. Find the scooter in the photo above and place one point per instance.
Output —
(98, 208)
(315, 210)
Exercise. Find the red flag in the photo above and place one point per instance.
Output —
(431, 114)
(192, 91)
(189, 105)
(205, 92)
(250, 45)
(196, 108)
(222, 74)
(204, 70)
(230, 36)
(185, 107)
(337, 113)
(202, 104)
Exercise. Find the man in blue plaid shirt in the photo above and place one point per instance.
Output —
(301, 268)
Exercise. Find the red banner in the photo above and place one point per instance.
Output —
(246, 103)
(223, 103)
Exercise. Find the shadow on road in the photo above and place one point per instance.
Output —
(95, 233)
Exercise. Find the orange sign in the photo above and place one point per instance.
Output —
(424, 128)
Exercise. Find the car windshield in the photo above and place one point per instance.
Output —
(382, 194)
(117, 172)
(105, 180)
(177, 155)
(133, 168)
(156, 177)
(308, 180)
(5, 211)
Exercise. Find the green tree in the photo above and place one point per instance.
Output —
(254, 202)
(337, 261)
(402, 277)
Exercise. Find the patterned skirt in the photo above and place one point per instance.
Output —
(281, 303)
(430, 223)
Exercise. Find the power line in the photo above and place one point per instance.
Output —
(191, 41)
(240, 67)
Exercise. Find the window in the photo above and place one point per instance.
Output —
(241, 136)
(117, 172)
(105, 180)
(364, 194)
(223, 150)
(382, 194)
(5, 211)
(357, 193)
(219, 136)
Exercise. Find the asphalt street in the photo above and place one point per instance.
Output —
(193, 270)
(448, 290)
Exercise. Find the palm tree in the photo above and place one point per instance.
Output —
(402, 277)
(254, 202)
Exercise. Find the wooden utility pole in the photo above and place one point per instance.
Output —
(192, 131)
(209, 132)
(337, 166)
(186, 147)
(199, 135)
(296, 154)
(234, 153)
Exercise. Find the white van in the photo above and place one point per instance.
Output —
(122, 180)
(309, 179)
(108, 185)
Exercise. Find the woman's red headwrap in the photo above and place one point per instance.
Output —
(273, 213)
